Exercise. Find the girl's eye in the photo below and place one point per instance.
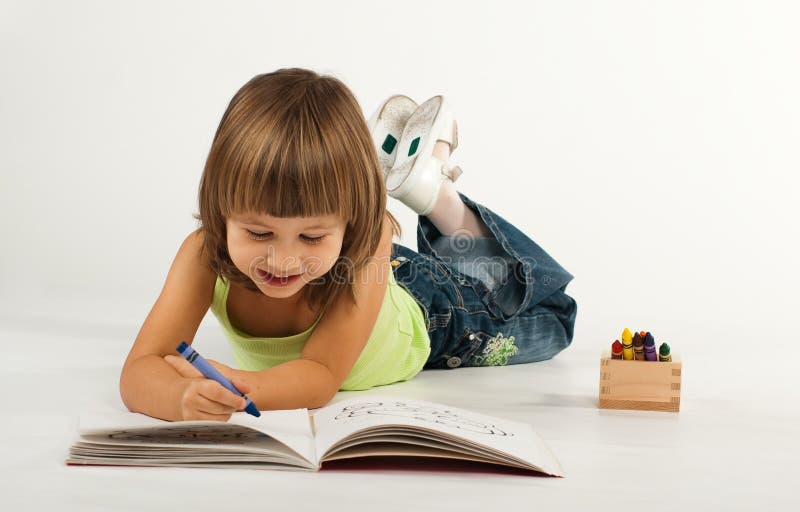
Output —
(313, 240)
(263, 236)
(256, 236)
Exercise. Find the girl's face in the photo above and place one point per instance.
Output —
(282, 254)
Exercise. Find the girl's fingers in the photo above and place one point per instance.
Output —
(212, 407)
(241, 385)
(214, 392)
(221, 368)
(182, 366)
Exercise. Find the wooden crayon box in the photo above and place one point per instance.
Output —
(640, 385)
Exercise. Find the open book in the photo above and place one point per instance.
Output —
(368, 426)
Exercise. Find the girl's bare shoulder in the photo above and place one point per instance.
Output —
(193, 251)
(182, 303)
(191, 275)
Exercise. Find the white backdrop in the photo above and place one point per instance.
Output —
(650, 147)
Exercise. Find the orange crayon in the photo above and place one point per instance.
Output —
(638, 347)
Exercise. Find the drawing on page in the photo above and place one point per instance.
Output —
(200, 434)
(422, 413)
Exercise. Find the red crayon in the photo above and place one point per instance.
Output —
(616, 350)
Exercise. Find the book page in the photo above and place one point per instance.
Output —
(493, 437)
(290, 428)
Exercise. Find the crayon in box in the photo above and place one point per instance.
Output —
(640, 385)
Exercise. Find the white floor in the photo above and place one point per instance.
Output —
(724, 450)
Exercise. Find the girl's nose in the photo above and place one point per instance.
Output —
(283, 261)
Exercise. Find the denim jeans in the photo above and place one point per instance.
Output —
(487, 301)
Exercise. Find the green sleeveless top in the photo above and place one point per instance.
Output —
(397, 349)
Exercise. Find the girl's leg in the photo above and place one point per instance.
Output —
(466, 243)
(490, 294)
(450, 215)
(513, 271)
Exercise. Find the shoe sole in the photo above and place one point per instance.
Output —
(386, 126)
(416, 149)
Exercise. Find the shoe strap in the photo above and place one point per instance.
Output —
(450, 172)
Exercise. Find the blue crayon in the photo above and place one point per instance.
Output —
(212, 373)
(649, 348)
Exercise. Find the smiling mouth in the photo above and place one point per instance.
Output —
(268, 277)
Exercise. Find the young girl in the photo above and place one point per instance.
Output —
(295, 258)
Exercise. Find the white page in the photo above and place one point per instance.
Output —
(290, 427)
(338, 420)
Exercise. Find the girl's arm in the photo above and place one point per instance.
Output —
(334, 346)
(149, 384)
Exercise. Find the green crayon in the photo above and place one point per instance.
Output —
(663, 353)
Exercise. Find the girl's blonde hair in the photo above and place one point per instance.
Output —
(293, 143)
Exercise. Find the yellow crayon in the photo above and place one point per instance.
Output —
(627, 344)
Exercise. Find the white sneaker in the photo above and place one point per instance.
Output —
(416, 176)
(386, 126)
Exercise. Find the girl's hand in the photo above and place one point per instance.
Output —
(206, 399)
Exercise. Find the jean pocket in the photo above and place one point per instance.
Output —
(461, 351)
(439, 320)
